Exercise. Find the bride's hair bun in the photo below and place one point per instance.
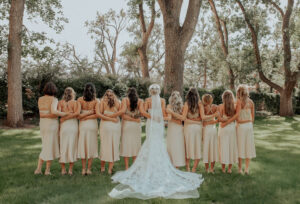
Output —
(154, 89)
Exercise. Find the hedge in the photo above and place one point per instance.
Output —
(33, 86)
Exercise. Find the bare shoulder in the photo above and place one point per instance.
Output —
(80, 99)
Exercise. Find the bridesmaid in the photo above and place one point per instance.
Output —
(110, 129)
(88, 128)
(132, 110)
(245, 137)
(175, 137)
(193, 114)
(210, 135)
(48, 127)
(227, 131)
(68, 130)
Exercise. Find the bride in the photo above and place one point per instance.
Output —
(152, 174)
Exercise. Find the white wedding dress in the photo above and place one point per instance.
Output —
(152, 174)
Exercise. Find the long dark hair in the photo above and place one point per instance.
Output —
(89, 92)
(133, 98)
(192, 98)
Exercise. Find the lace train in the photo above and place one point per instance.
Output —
(152, 174)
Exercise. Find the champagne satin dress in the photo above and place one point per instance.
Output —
(49, 128)
(193, 138)
(245, 136)
(88, 132)
(68, 133)
(110, 133)
(131, 135)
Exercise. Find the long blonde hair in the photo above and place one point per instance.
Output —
(175, 101)
(110, 99)
(207, 100)
(228, 101)
(242, 94)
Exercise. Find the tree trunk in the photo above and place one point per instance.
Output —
(177, 38)
(231, 78)
(174, 62)
(290, 81)
(286, 103)
(14, 76)
(144, 61)
(205, 70)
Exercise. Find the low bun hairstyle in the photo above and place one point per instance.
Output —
(89, 92)
(192, 98)
(133, 98)
(69, 94)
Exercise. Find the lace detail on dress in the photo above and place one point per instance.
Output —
(152, 174)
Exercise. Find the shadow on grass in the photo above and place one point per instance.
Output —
(274, 173)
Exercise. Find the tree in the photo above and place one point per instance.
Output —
(223, 35)
(14, 78)
(155, 51)
(177, 38)
(106, 30)
(146, 30)
(13, 11)
(290, 77)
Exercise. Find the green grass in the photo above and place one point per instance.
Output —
(274, 178)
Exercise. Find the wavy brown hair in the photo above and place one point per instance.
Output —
(175, 101)
(242, 94)
(228, 101)
(192, 98)
(69, 94)
(133, 98)
(110, 98)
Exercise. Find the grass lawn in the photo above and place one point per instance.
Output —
(274, 174)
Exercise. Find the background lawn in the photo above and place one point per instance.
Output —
(274, 174)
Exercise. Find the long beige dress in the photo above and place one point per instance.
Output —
(49, 128)
(175, 143)
(88, 132)
(68, 135)
(131, 135)
(210, 143)
(193, 138)
(228, 152)
(245, 136)
(110, 133)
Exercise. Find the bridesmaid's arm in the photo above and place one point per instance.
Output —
(54, 108)
(72, 115)
(127, 117)
(176, 115)
(202, 114)
(233, 118)
(188, 121)
(121, 111)
(252, 111)
(100, 111)
(142, 107)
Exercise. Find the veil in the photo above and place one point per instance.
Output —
(152, 174)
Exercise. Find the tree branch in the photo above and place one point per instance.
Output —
(190, 21)
(256, 50)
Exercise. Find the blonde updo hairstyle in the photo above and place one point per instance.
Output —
(175, 101)
(69, 94)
